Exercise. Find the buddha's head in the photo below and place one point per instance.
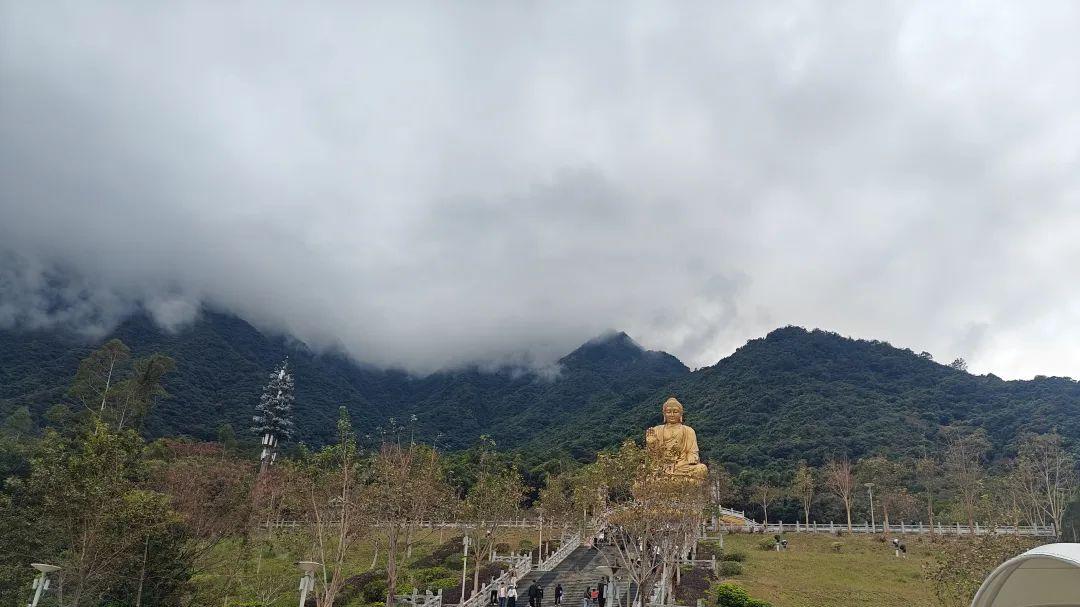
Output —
(672, 411)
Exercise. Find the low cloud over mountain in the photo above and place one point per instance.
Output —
(432, 186)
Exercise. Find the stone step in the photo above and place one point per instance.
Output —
(576, 573)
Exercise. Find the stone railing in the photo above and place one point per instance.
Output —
(905, 528)
(566, 546)
(427, 599)
(521, 523)
(732, 512)
(519, 566)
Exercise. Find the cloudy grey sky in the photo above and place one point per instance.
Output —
(428, 184)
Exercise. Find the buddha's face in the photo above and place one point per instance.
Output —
(672, 415)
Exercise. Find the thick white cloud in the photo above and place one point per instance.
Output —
(438, 183)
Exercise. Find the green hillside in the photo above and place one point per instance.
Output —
(794, 394)
(807, 394)
(223, 363)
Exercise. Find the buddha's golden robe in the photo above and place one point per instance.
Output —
(677, 445)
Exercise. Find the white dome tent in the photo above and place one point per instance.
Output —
(1047, 576)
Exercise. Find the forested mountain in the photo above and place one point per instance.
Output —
(223, 363)
(791, 395)
(807, 394)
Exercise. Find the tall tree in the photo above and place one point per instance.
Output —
(138, 392)
(328, 490)
(964, 453)
(493, 500)
(97, 374)
(407, 487)
(1052, 474)
(721, 485)
(653, 518)
(764, 493)
(96, 518)
(927, 475)
(556, 500)
(888, 478)
(273, 414)
(840, 479)
(803, 485)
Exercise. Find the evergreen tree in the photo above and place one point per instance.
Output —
(273, 414)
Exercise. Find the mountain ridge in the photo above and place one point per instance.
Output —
(791, 394)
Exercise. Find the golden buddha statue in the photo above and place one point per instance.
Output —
(676, 444)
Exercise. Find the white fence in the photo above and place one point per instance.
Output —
(522, 523)
(901, 528)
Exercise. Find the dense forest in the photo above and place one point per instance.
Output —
(792, 395)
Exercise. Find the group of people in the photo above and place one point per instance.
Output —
(506, 596)
(594, 597)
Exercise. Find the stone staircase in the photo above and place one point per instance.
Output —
(576, 573)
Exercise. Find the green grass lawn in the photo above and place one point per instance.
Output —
(810, 574)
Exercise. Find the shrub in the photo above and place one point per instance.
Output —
(731, 595)
(758, 603)
(836, 546)
(443, 583)
(374, 591)
(502, 548)
(439, 554)
(525, 546)
(733, 555)
(695, 585)
(710, 549)
(422, 578)
(729, 568)
(767, 544)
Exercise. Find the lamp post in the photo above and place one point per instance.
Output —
(870, 490)
(307, 581)
(41, 582)
(540, 542)
(464, 566)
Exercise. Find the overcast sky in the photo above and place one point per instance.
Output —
(431, 184)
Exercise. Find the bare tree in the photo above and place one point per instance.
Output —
(964, 453)
(764, 493)
(407, 488)
(493, 500)
(888, 477)
(328, 490)
(1050, 473)
(840, 479)
(927, 474)
(803, 485)
(653, 518)
(721, 485)
(556, 501)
